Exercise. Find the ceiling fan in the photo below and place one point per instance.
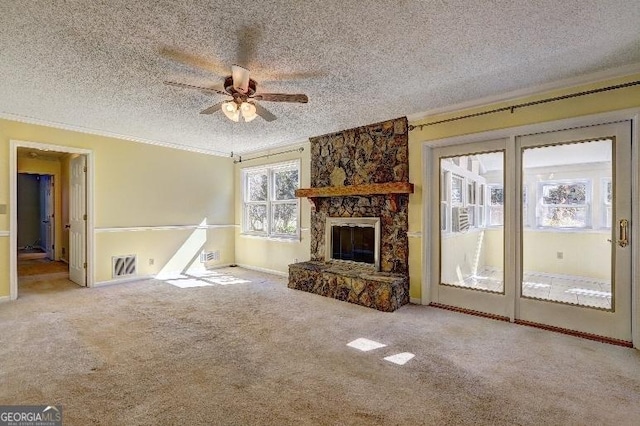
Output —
(242, 90)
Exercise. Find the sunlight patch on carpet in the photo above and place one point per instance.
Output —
(202, 279)
(400, 359)
(365, 345)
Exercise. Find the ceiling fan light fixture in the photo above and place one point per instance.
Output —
(248, 111)
(230, 109)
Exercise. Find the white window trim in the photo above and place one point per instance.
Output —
(270, 170)
(452, 171)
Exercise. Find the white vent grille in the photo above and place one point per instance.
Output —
(460, 218)
(208, 256)
(123, 266)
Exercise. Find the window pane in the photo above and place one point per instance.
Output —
(286, 183)
(608, 192)
(257, 217)
(557, 193)
(257, 186)
(456, 190)
(443, 216)
(285, 218)
(497, 196)
(496, 216)
(564, 217)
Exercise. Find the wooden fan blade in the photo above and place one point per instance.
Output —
(240, 76)
(212, 108)
(281, 97)
(264, 113)
(194, 61)
(190, 86)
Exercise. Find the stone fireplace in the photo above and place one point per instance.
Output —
(359, 187)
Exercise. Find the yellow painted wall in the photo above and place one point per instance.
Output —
(575, 107)
(462, 254)
(273, 255)
(137, 185)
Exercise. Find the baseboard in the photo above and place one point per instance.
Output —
(218, 266)
(415, 300)
(5, 299)
(63, 260)
(123, 280)
(265, 270)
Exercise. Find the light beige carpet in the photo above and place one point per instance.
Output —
(246, 350)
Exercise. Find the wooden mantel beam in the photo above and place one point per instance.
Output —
(346, 191)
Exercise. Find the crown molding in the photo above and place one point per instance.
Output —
(104, 133)
(566, 83)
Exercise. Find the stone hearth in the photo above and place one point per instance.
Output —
(349, 162)
(380, 290)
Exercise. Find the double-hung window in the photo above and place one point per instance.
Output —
(270, 206)
(564, 204)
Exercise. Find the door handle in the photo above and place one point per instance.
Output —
(623, 228)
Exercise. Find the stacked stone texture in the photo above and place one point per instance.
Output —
(377, 153)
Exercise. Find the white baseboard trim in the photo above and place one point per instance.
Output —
(415, 301)
(123, 280)
(265, 270)
(218, 266)
(4, 299)
(4, 233)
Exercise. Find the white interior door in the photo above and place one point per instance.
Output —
(78, 221)
(47, 215)
(536, 229)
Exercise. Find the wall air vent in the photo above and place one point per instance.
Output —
(208, 256)
(123, 266)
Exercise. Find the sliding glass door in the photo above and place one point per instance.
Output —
(536, 229)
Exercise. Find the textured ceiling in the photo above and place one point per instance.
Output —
(97, 64)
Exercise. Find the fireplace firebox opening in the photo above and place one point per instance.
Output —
(353, 240)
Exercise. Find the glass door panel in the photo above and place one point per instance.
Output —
(566, 249)
(471, 248)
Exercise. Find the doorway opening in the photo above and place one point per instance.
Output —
(50, 245)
